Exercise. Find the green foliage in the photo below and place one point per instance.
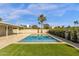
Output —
(46, 26)
(76, 22)
(75, 37)
(34, 27)
(0, 19)
(58, 33)
(41, 19)
(39, 50)
(66, 31)
(69, 35)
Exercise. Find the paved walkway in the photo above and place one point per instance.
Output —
(69, 42)
(7, 40)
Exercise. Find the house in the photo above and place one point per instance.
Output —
(28, 26)
(6, 28)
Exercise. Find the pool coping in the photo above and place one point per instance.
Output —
(59, 41)
(56, 38)
(40, 43)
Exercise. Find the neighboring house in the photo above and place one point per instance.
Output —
(53, 27)
(28, 26)
(6, 29)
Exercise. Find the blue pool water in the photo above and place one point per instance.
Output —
(39, 38)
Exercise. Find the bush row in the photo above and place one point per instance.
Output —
(69, 35)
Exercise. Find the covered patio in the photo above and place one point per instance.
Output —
(7, 29)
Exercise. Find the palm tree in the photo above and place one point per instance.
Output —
(41, 19)
(0, 19)
(76, 22)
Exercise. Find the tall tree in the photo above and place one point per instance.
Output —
(76, 22)
(0, 19)
(46, 26)
(34, 27)
(41, 20)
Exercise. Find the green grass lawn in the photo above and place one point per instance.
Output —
(39, 50)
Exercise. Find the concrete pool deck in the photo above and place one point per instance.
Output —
(40, 43)
(10, 39)
(13, 39)
(7, 40)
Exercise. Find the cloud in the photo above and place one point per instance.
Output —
(32, 9)
(8, 11)
(53, 9)
(37, 9)
(42, 6)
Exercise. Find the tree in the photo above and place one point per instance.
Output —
(46, 26)
(41, 20)
(69, 26)
(0, 19)
(69, 35)
(23, 26)
(75, 37)
(34, 26)
(76, 22)
(62, 26)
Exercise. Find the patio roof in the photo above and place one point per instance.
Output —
(10, 25)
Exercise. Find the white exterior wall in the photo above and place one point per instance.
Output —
(3, 30)
(32, 31)
(10, 30)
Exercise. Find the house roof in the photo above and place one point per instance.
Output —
(10, 25)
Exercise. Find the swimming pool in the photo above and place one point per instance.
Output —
(39, 38)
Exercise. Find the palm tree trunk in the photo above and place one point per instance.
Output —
(38, 30)
(41, 28)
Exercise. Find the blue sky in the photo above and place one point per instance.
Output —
(27, 13)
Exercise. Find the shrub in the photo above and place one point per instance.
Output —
(75, 37)
(69, 35)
